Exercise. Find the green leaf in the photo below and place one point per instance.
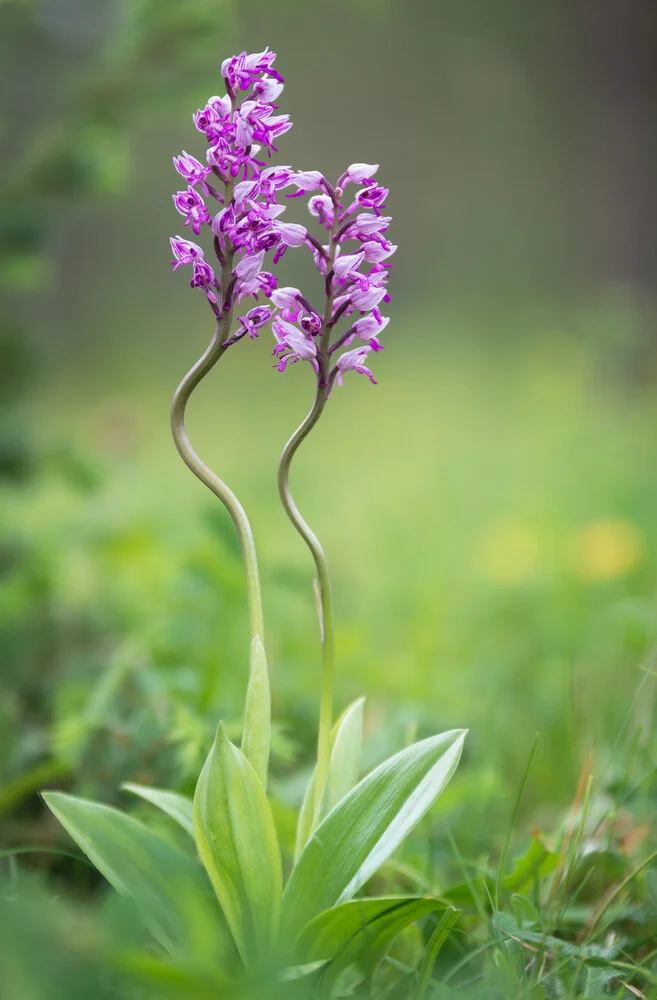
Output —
(360, 930)
(524, 911)
(537, 862)
(256, 739)
(363, 830)
(173, 978)
(167, 886)
(294, 972)
(236, 840)
(432, 950)
(346, 745)
(178, 807)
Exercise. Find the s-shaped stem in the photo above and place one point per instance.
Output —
(312, 541)
(324, 580)
(207, 477)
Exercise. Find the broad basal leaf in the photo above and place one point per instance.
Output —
(256, 738)
(363, 830)
(344, 763)
(360, 930)
(178, 807)
(168, 887)
(237, 842)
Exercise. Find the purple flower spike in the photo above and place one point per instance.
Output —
(349, 247)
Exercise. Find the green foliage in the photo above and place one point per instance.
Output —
(367, 826)
(164, 883)
(256, 740)
(237, 843)
(177, 806)
(238, 846)
(344, 765)
(359, 931)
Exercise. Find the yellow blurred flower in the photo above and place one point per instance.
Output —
(508, 552)
(606, 549)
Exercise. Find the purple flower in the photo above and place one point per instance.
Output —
(191, 170)
(287, 297)
(371, 196)
(290, 235)
(254, 123)
(352, 361)
(214, 120)
(267, 89)
(226, 162)
(184, 251)
(267, 282)
(347, 266)
(322, 207)
(241, 71)
(190, 204)
(369, 328)
(251, 278)
(367, 224)
(272, 179)
(254, 320)
(376, 251)
(249, 266)
(204, 277)
(306, 180)
(299, 346)
(356, 298)
(357, 173)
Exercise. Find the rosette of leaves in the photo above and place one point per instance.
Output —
(217, 901)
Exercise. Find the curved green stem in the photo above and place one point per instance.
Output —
(324, 580)
(209, 479)
(313, 543)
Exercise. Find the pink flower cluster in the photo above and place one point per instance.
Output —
(355, 278)
(247, 222)
(247, 225)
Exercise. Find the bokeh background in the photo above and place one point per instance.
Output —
(488, 509)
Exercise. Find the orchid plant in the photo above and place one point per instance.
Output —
(311, 924)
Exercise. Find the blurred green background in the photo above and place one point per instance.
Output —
(487, 509)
